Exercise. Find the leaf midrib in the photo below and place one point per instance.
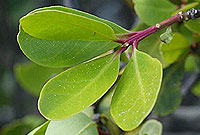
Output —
(138, 76)
(89, 29)
(86, 127)
(84, 88)
(93, 81)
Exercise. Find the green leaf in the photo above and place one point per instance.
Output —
(77, 88)
(186, 32)
(191, 64)
(21, 126)
(196, 38)
(170, 96)
(140, 26)
(167, 36)
(61, 53)
(124, 57)
(134, 132)
(32, 77)
(176, 48)
(186, 7)
(153, 11)
(89, 112)
(151, 44)
(137, 91)
(108, 121)
(193, 25)
(58, 25)
(150, 127)
(196, 89)
(78, 124)
(104, 104)
(117, 29)
(40, 130)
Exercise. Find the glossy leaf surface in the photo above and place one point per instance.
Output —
(58, 25)
(151, 44)
(134, 132)
(193, 25)
(150, 127)
(77, 88)
(78, 124)
(32, 77)
(170, 96)
(137, 91)
(89, 112)
(177, 47)
(61, 53)
(153, 11)
(40, 130)
(187, 7)
(117, 29)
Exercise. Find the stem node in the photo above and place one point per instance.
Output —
(135, 37)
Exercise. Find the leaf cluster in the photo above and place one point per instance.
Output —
(76, 53)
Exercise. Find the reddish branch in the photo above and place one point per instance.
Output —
(183, 2)
(101, 132)
(135, 37)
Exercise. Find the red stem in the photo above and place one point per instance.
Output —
(121, 50)
(135, 37)
(138, 36)
(183, 2)
(101, 132)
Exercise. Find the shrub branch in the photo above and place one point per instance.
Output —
(135, 37)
